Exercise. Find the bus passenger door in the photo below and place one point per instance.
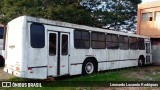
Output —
(52, 53)
(64, 54)
(58, 56)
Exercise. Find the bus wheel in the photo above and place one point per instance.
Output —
(141, 62)
(1, 61)
(89, 67)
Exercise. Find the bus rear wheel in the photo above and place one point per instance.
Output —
(89, 67)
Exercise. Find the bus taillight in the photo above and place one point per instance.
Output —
(17, 69)
(29, 68)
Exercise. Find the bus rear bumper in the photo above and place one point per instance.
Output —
(13, 72)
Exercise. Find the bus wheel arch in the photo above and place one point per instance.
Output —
(2, 61)
(89, 66)
(141, 61)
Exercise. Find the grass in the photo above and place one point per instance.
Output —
(112, 75)
(99, 79)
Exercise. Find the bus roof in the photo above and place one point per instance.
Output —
(74, 26)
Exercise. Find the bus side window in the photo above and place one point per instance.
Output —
(37, 35)
(133, 43)
(148, 48)
(64, 44)
(123, 42)
(81, 39)
(112, 41)
(52, 43)
(98, 40)
(141, 44)
(1, 32)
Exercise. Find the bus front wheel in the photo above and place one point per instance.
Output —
(89, 67)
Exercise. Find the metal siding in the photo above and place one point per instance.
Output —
(14, 46)
(156, 54)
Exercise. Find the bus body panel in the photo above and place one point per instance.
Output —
(14, 48)
(2, 53)
(36, 56)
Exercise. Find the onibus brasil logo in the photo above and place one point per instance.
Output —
(20, 84)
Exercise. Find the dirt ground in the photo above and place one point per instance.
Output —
(127, 88)
(3, 75)
(149, 73)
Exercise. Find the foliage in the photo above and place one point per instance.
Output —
(114, 14)
(111, 14)
(62, 10)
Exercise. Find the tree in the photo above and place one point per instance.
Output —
(111, 14)
(62, 10)
(114, 14)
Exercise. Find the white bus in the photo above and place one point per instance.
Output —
(40, 48)
(1, 45)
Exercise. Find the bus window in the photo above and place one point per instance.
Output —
(64, 44)
(81, 39)
(133, 43)
(141, 44)
(37, 35)
(148, 48)
(52, 44)
(123, 42)
(1, 32)
(98, 40)
(112, 41)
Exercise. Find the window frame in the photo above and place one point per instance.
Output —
(54, 52)
(97, 40)
(43, 45)
(155, 15)
(2, 36)
(145, 19)
(133, 43)
(123, 42)
(81, 39)
(62, 49)
(111, 41)
(139, 44)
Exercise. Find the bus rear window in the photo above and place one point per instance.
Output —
(37, 35)
(1, 32)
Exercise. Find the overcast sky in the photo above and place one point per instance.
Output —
(147, 0)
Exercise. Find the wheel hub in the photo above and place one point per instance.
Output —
(89, 68)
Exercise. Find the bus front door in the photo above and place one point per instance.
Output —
(58, 56)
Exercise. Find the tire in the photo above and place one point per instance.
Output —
(141, 62)
(89, 67)
(1, 62)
